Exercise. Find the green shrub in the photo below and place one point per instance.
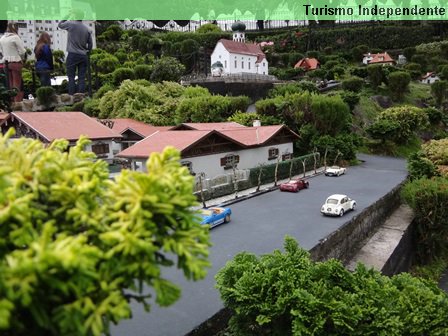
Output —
(46, 96)
(419, 166)
(69, 261)
(167, 69)
(286, 293)
(91, 107)
(247, 119)
(350, 98)
(102, 90)
(353, 84)
(398, 83)
(406, 120)
(121, 74)
(143, 71)
(283, 169)
(429, 198)
(359, 72)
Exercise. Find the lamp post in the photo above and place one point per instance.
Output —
(201, 176)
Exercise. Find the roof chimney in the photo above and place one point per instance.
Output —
(256, 123)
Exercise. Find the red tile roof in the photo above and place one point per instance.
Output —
(428, 74)
(157, 142)
(211, 126)
(380, 58)
(123, 124)
(307, 64)
(251, 49)
(252, 136)
(244, 136)
(66, 125)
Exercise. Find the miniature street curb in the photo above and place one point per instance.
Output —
(251, 192)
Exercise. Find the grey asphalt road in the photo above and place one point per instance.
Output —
(259, 225)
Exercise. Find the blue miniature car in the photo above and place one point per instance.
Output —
(215, 216)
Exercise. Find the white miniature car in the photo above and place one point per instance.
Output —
(337, 205)
(335, 171)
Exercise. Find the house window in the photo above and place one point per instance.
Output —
(225, 64)
(272, 153)
(236, 64)
(230, 161)
(287, 156)
(188, 164)
(100, 149)
(242, 64)
(248, 64)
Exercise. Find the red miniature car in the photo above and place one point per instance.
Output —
(294, 185)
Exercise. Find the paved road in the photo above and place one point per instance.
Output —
(259, 225)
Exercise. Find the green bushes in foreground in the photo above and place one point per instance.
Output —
(286, 293)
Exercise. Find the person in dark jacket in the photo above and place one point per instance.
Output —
(79, 44)
(44, 59)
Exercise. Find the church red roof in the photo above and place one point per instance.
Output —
(250, 49)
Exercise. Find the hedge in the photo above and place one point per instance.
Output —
(268, 171)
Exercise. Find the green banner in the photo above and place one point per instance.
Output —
(342, 10)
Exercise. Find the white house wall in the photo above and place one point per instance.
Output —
(211, 164)
(228, 61)
(110, 156)
(220, 54)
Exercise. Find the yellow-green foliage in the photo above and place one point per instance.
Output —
(74, 244)
(409, 118)
(436, 151)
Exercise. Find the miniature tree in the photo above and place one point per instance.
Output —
(76, 247)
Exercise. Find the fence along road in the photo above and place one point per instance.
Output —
(259, 225)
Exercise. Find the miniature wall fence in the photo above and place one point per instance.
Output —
(238, 180)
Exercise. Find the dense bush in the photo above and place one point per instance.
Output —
(46, 95)
(331, 114)
(143, 71)
(419, 166)
(410, 119)
(353, 84)
(284, 169)
(398, 83)
(350, 98)
(439, 90)
(376, 75)
(121, 74)
(247, 119)
(77, 248)
(290, 88)
(167, 69)
(436, 151)
(341, 147)
(286, 293)
(209, 108)
(429, 198)
(208, 28)
(359, 72)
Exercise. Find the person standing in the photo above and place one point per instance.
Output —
(44, 59)
(13, 51)
(79, 44)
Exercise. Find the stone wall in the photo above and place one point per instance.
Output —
(253, 90)
(32, 105)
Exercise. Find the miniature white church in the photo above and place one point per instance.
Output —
(237, 56)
